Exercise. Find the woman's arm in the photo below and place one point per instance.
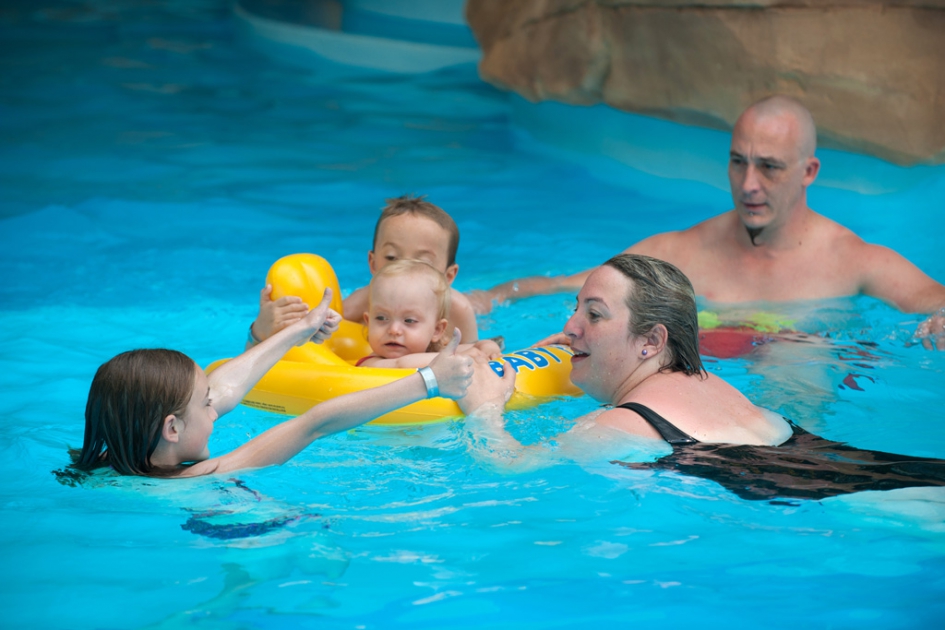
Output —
(280, 443)
(488, 439)
(230, 382)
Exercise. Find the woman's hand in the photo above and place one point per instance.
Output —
(487, 387)
(453, 371)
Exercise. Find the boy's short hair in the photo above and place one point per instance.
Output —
(406, 266)
(409, 204)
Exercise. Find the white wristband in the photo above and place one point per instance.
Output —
(429, 379)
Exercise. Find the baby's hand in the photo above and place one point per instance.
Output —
(489, 348)
(274, 315)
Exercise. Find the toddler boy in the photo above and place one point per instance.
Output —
(408, 228)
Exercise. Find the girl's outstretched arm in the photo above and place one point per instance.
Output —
(279, 444)
(230, 382)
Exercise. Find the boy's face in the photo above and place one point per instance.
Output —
(412, 237)
(402, 318)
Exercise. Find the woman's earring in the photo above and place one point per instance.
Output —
(644, 352)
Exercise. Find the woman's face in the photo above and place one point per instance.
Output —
(605, 353)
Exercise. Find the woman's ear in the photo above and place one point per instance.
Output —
(451, 272)
(655, 340)
(170, 429)
(439, 330)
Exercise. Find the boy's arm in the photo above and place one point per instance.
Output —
(462, 316)
(274, 315)
(356, 305)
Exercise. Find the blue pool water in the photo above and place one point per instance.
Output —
(152, 166)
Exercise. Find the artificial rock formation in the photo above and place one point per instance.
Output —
(872, 72)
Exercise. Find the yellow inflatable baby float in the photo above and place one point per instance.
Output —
(313, 373)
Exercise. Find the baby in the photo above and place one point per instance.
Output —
(406, 317)
(408, 228)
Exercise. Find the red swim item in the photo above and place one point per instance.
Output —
(731, 343)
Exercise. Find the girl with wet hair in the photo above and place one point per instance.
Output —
(151, 412)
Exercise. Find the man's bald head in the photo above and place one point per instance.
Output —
(790, 111)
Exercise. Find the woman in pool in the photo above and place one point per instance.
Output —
(635, 340)
(151, 412)
(406, 318)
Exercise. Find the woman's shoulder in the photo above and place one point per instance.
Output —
(710, 410)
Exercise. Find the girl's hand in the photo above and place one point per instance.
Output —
(321, 321)
(453, 371)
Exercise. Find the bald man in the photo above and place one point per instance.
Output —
(772, 246)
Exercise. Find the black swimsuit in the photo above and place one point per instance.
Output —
(806, 466)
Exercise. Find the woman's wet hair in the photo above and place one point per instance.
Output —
(129, 399)
(662, 294)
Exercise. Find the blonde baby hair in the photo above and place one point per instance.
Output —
(441, 288)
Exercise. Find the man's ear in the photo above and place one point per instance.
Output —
(439, 330)
(811, 169)
(451, 272)
(370, 262)
(170, 429)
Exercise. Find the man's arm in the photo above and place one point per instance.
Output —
(893, 279)
(669, 246)
(888, 276)
(483, 301)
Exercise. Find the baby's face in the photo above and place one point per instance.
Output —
(403, 316)
(412, 237)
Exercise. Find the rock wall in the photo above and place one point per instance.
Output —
(872, 72)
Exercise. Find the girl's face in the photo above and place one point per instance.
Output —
(402, 318)
(197, 421)
(605, 352)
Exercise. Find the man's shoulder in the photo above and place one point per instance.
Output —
(836, 235)
(669, 245)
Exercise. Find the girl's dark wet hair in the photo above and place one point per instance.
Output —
(662, 294)
(129, 399)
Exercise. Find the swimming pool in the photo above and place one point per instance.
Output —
(152, 168)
